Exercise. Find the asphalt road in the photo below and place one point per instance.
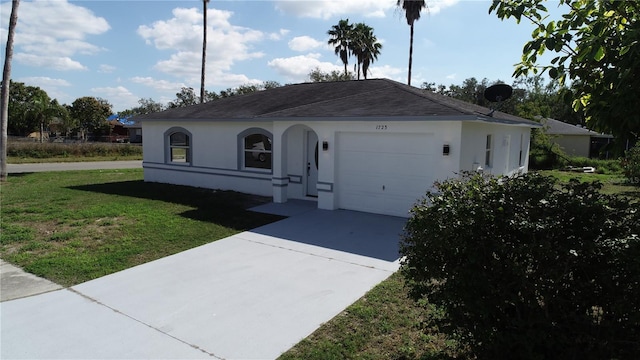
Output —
(94, 165)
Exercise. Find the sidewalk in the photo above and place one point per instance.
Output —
(16, 283)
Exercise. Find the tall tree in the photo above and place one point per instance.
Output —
(412, 9)
(204, 48)
(4, 92)
(186, 97)
(365, 46)
(341, 39)
(91, 114)
(147, 106)
(22, 99)
(41, 111)
(597, 44)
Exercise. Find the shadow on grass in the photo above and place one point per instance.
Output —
(225, 208)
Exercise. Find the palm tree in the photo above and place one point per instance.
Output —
(412, 9)
(4, 92)
(365, 46)
(204, 48)
(341, 39)
(40, 110)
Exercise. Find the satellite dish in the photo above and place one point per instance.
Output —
(497, 94)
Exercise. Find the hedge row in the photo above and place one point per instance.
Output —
(52, 150)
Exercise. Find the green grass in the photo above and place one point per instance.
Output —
(71, 227)
(611, 183)
(384, 324)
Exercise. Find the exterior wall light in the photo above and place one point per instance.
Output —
(325, 145)
(446, 149)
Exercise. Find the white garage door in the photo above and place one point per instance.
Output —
(383, 173)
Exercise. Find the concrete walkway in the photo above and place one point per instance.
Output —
(250, 296)
(16, 283)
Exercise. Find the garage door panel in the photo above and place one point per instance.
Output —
(383, 173)
(390, 185)
(377, 163)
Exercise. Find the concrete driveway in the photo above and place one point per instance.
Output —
(250, 296)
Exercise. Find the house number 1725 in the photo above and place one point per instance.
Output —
(381, 127)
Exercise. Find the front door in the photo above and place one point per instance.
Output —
(312, 163)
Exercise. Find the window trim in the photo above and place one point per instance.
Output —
(241, 150)
(168, 147)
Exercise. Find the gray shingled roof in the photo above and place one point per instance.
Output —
(343, 100)
(557, 127)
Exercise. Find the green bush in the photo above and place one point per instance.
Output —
(527, 268)
(53, 150)
(631, 164)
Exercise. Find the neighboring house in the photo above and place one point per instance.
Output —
(117, 132)
(135, 132)
(368, 145)
(576, 140)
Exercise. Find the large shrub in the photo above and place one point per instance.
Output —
(631, 164)
(526, 268)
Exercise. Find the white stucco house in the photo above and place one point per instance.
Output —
(367, 145)
(576, 140)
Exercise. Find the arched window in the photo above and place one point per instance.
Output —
(178, 149)
(256, 149)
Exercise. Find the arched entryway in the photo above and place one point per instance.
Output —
(300, 162)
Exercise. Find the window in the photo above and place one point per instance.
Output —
(488, 156)
(520, 159)
(178, 146)
(257, 151)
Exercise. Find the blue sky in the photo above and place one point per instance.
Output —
(126, 50)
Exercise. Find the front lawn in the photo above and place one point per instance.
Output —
(74, 226)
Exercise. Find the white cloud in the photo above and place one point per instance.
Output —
(278, 35)
(227, 80)
(161, 85)
(107, 69)
(297, 68)
(226, 44)
(43, 81)
(51, 32)
(183, 32)
(386, 72)
(326, 9)
(52, 62)
(435, 6)
(120, 97)
(451, 76)
(304, 43)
